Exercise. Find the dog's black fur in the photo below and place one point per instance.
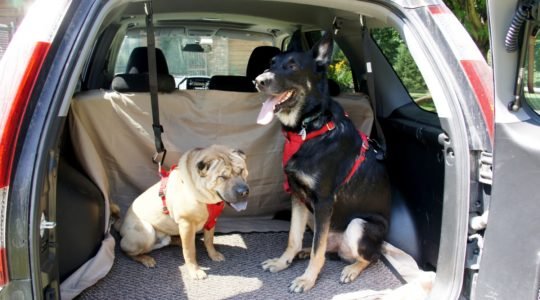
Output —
(325, 161)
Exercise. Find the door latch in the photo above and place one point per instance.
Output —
(485, 174)
(44, 224)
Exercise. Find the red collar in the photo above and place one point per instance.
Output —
(299, 137)
(295, 140)
(214, 210)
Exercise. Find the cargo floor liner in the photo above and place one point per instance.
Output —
(240, 276)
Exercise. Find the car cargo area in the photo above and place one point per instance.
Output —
(120, 159)
(238, 277)
(107, 143)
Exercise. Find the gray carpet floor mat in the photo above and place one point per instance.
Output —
(240, 276)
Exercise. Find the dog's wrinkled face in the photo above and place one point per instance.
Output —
(292, 78)
(223, 172)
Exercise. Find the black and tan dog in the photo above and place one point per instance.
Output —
(332, 174)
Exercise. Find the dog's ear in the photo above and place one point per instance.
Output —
(295, 44)
(240, 153)
(322, 51)
(202, 167)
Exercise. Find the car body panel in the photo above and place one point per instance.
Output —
(510, 262)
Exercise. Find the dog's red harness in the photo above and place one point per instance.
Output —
(294, 141)
(214, 210)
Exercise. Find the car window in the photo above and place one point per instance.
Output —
(398, 55)
(191, 55)
(531, 90)
(340, 68)
(340, 71)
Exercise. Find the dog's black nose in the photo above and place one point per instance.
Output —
(242, 191)
(259, 81)
(263, 79)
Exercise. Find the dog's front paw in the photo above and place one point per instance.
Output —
(301, 284)
(349, 274)
(216, 256)
(196, 273)
(275, 265)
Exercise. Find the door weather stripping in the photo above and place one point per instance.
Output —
(485, 174)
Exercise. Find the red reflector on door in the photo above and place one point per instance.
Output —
(481, 79)
(438, 9)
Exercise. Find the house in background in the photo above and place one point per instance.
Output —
(11, 14)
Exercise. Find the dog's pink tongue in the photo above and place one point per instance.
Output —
(267, 111)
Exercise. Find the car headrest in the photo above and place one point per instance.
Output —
(138, 83)
(138, 61)
(136, 77)
(260, 60)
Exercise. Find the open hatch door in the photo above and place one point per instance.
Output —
(510, 264)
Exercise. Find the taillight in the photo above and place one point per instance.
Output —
(12, 118)
(19, 70)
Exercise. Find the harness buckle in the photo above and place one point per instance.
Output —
(330, 126)
(303, 133)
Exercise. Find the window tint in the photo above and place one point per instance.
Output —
(531, 84)
(398, 55)
(192, 55)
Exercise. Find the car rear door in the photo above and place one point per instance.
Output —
(33, 86)
(510, 262)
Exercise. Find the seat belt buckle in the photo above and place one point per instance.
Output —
(156, 157)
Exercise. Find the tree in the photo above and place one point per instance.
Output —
(473, 15)
(408, 71)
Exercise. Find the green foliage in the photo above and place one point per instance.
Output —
(408, 71)
(473, 15)
(340, 71)
(395, 50)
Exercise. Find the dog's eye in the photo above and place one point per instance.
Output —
(272, 61)
(291, 65)
(223, 177)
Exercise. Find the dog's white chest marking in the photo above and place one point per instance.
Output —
(290, 118)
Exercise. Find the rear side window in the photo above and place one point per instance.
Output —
(340, 69)
(398, 55)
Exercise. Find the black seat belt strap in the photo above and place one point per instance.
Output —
(152, 82)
